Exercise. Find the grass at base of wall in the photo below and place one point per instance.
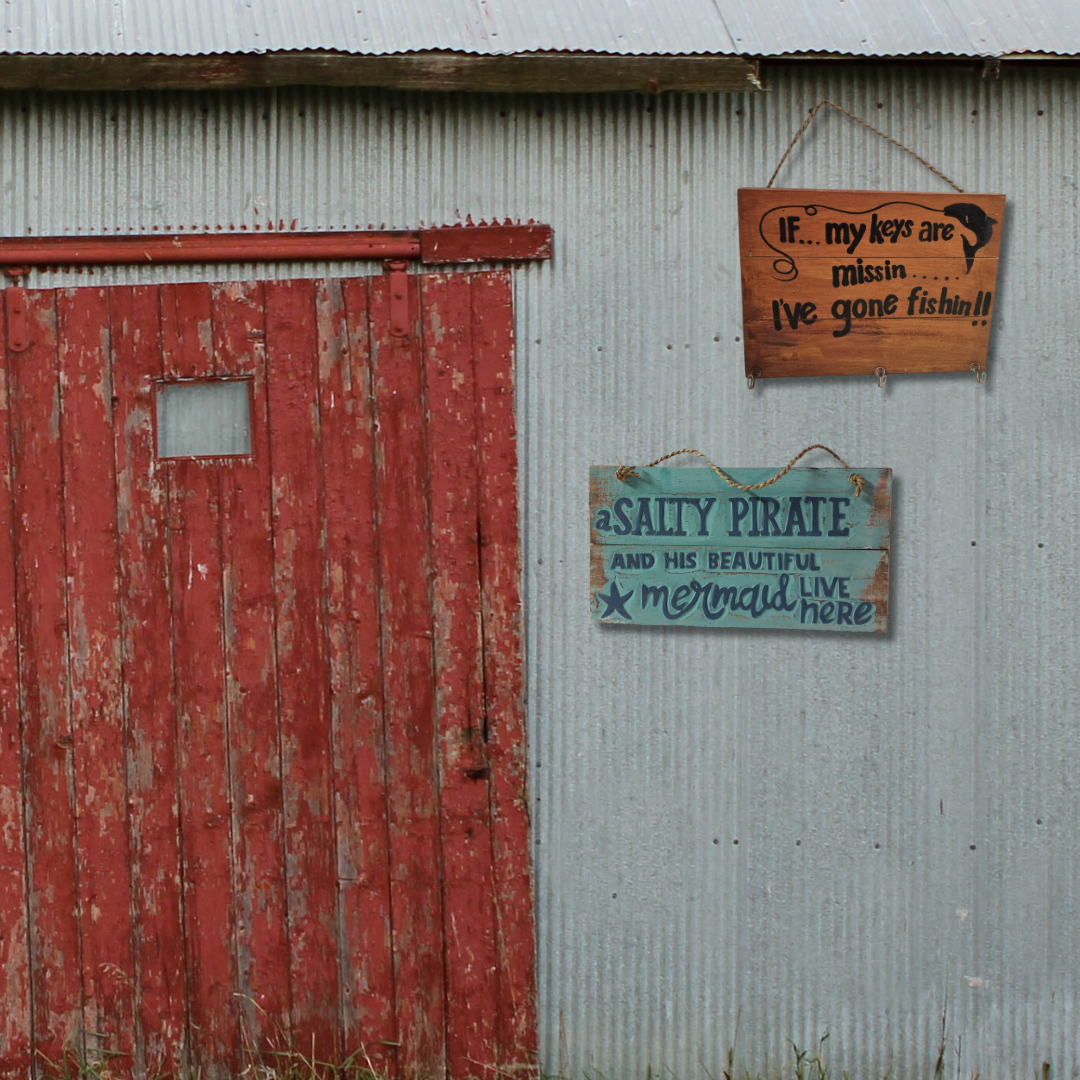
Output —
(291, 1064)
(103, 1064)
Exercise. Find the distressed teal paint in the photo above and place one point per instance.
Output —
(682, 547)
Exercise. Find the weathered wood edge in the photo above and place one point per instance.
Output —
(433, 70)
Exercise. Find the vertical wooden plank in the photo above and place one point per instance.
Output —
(356, 689)
(141, 501)
(199, 689)
(500, 576)
(302, 666)
(15, 1053)
(97, 722)
(408, 680)
(56, 992)
(255, 752)
(453, 495)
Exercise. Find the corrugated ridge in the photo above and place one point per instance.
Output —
(856, 775)
(491, 27)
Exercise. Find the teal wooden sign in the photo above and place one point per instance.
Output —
(680, 547)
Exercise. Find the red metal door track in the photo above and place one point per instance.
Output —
(449, 244)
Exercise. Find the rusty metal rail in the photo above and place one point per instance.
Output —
(451, 244)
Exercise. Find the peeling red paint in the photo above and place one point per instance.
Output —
(356, 693)
(255, 782)
(44, 691)
(15, 1017)
(91, 557)
(290, 776)
(461, 711)
(161, 1019)
(493, 346)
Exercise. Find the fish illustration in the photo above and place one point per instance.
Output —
(974, 218)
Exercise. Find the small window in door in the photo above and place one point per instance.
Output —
(203, 418)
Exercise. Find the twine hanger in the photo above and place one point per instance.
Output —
(624, 472)
(888, 138)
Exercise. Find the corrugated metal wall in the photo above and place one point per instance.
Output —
(752, 835)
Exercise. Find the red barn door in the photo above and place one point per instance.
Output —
(262, 760)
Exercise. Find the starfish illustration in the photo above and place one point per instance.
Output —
(615, 601)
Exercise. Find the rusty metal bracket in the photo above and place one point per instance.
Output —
(18, 332)
(399, 297)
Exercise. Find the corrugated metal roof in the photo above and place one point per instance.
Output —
(904, 27)
(500, 27)
(365, 27)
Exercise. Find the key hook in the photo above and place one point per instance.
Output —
(880, 373)
(755, 374)
(980, 373)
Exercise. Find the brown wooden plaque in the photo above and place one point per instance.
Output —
(845, 282)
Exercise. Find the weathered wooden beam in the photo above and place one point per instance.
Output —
(530, 72)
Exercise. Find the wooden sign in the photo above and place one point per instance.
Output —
(680, 547)
(845, 282)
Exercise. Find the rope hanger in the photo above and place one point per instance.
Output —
(888, 138)
(624, 472)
